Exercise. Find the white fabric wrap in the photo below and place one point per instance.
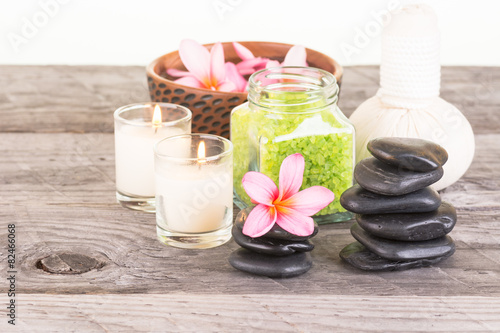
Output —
(410, 72)
(408, 103)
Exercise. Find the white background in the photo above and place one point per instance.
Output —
(124, 32)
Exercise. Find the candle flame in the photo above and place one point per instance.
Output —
(157, 117)
(201, 152)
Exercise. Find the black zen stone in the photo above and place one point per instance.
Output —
(358, 256)
(379, 177)
(360, 201)
(275, 247)
(271, 266)
(412, 154)
(276, 231)
(412, 226)
(398, 250)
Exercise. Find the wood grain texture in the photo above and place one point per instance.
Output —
(82, 98)
(67, 98)
(57, 185)
(59, 190)
(253, 313)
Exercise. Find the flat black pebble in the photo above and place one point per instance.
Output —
(398, 250)
(271, 266)
(412, 226)
(275, 247)
(360, 201)
(412, 154)
(276, 231)
(360, 257)
(379, 177)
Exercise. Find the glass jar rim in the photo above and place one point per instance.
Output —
(317, 83)
(212, 137)
(117, 114)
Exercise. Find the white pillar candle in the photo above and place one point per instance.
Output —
(136, 132)
(195, 200)
(135, 158)
(194, 194)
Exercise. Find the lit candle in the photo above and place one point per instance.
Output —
(194, 192)
(137, 129)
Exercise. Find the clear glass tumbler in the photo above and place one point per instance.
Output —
(194, 186)
(137, 128)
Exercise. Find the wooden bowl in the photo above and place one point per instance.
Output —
(212, 109)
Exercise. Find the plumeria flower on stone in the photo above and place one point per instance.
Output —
(286, 206)
(205, 69)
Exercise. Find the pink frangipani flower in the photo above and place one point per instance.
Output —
(208, 69)
(296, 56)
(205, 69)
(249, 64)
(286, 206)
(235, 76)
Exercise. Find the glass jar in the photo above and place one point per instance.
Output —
(294, 110)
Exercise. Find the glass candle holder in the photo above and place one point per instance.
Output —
(194, 185)
(137, 128)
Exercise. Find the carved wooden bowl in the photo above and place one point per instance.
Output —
(212, 109)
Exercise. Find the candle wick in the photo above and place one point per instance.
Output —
(200, 162)
(156, 130)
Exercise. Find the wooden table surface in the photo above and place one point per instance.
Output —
(57, 186)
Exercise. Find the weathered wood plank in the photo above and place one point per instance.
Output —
(59, 190)
(78, 170)
(479, 188)
(82, 98)
(242, 313)
(67, 98)
(135, 262)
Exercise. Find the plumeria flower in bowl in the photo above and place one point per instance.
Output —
(296, 56)
(206, 69)
(209, 70)
(212, 79)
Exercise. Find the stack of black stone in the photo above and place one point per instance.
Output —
(277, 254)
(401, 221)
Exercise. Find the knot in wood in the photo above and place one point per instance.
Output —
(68, 263)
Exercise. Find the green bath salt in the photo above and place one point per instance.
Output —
(296, 118)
